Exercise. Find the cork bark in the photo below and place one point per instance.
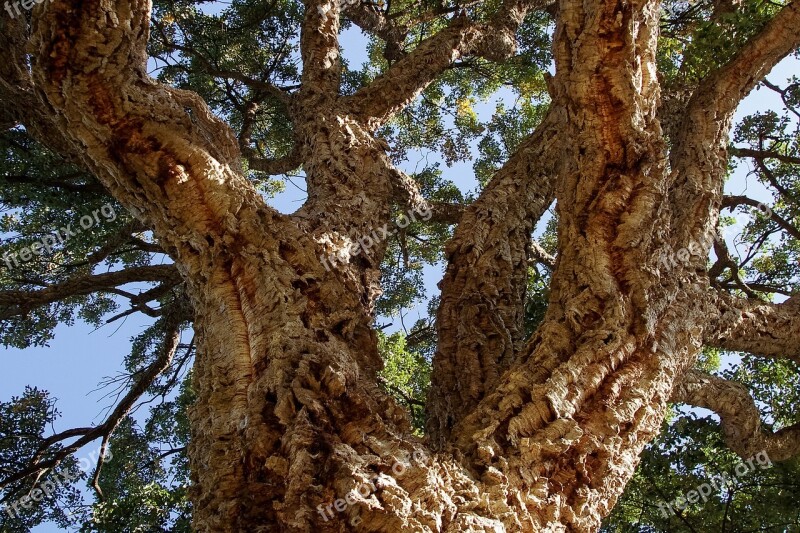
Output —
(532, 435)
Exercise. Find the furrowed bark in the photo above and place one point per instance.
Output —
(350, 189)
(289, 416)
(286, 362)
(739, 416)
(159, 150)
(479, 322)
(570, 418)
(319, 46)
(375, 104)
(17, 88)
(754, 326)
(700, 157)
(347, 171)
(168, 160)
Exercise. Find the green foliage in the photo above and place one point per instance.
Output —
(42, 194)
(690, 450)
(24, 423)
(145, 486)
(698, 37)
(145, 482)
(413, 247)
(191, 40)
(775, 254)
(406, 375)
(508, 127)
(687, 454)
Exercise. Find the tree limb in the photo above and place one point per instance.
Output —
(13, 303)
(739, 416)
(724, 260)
(480, 318)
(788, 227)
(754, 326)
(124, 235)
(407, 193)
(387, 26)
(378, 24)
(699, 158)
(160, 151)
(92, 187)
(376, 103)
(319, 48)
(291, 161)
(39, 465)
(728, 86)
(174, 321)
(540, 255)
(763, 154)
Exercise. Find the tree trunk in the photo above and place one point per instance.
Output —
(300, 423)
(290, 431)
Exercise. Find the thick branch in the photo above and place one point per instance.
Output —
(407, 193)
(540, 255)
(763, 154)
(405, 80)
(447, 213)
(728, 86)
(291, 161)
(377, 23)
(480, 319)
(739, 416)
(749, 325)
(160, 151)
(319, 47)
(788, 227)
(699, 158)
(396, 88)
(13, 303)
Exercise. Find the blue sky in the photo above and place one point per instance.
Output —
(80, 357)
